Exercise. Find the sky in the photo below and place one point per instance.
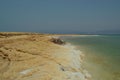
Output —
(60, 16)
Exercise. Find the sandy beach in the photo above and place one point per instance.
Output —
(30, 56)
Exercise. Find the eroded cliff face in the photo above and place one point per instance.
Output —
(36, 57)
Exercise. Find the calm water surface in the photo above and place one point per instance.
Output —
(102, 55)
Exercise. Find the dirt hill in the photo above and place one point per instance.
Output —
(30, 56)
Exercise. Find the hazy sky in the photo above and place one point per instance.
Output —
(59, 16)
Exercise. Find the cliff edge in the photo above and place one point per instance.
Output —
(27, 56)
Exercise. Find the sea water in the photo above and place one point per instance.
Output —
(102, 55)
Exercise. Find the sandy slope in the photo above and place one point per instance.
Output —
(35, 57)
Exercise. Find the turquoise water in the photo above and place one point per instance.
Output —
(102, 55)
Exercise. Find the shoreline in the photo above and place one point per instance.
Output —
(78, 57)
(27, 57)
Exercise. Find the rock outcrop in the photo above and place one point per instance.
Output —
(57, 41)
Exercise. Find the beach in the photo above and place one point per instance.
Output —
(32, 56)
